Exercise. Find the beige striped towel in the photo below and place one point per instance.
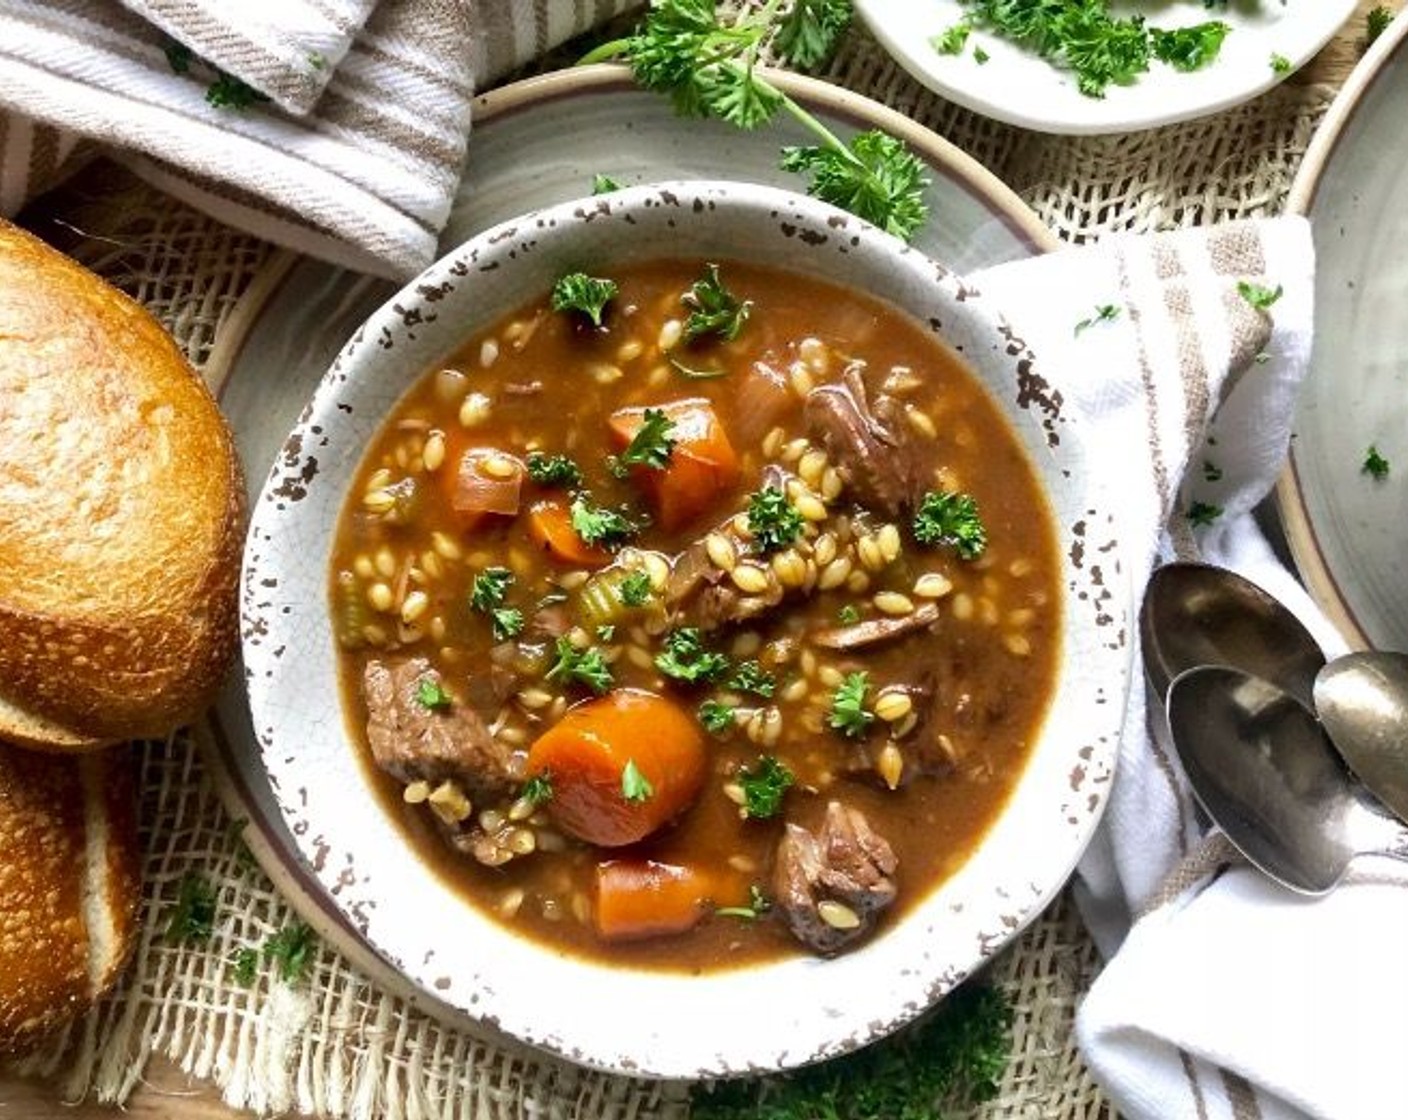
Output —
(335, 127)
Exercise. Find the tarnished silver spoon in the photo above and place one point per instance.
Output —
(1362, 699)
(1266, 774)
(1199, 614)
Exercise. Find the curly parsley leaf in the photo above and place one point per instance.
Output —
(1376, 21)
(193, 918)
(876, 178)
(1188, 48)
(291, 950)
(773, 519)
(583, 294)
(634, 589)
(553, 470)
(953, 39)
(716, 716)
(1258, 295)
(749, 676)
(1104, 313)
(1375, 464)
(849, 715)
(507, 622)
(635, 787)
(949, 518)
(244, 966)
(604, 184)
(810, 30)
(598, 525)
(764, 784)
(580, 666)
(685, 657)
(1280, 64)
(652, 443)
(537, 790)
(431, 695)
(489, 588)
(713, 308)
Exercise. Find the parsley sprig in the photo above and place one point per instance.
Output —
(582, 666)
(553, 470)
(486, 595)
(652, 443)
(599, 525)
(709, 68)
(849, 715)
(764, 784)
(685, 657)
(949, 518)
(583, 294)
(713, 308)
(773, 519)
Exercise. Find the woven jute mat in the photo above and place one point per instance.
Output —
(333, 1043)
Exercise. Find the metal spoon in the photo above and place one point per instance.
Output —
(1265, 772)
(1362, 699)
(1198, 614)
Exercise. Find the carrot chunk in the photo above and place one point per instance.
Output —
(620, 767)
(638, 898)
(702, 466)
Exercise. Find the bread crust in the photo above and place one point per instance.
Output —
(121, 514)
(69, 886)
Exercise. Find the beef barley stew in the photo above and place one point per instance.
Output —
(696, 615)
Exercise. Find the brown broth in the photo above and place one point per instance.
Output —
(996, 642)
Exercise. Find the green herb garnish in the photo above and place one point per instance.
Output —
(1258, 296)
(583, 666)
(980, 56)
(229, 92)
(1280, 64)
(764, 785)
(489, 588)
(291, 949)
(710, 69)
(553, 470)
(773, 520)
(849, 714)
(1104, 313)
(1376, 21)
(758, 905)
(749, 676)
(507, 622)
(538, 789)
(685, 658)
(1188, 48)
(194, 916)
(652, 443)
(848, 615)
(1374, 463)
(431, 695)
(634, 786)
(952, 519)
(1203, 513)
(953, 39)
(244, 966)
(634, 589)
(598, 525)
(713, 308)
(604, 184)
(586, 295)
(716, 716)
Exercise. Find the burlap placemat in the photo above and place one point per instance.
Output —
(333, 1043)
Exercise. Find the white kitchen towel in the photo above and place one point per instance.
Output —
(335, 127)
(1225, 997)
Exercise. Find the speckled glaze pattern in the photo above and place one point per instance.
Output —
(799, 1010)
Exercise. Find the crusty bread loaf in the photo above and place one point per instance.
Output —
(69, 885)
(121, 506)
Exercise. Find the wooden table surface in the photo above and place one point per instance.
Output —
(168, 1094)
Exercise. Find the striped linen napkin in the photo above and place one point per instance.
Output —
(1225, 997)
(335, 127)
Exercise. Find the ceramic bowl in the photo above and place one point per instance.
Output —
(765, 1017)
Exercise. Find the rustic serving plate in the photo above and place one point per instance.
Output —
(812, 1009)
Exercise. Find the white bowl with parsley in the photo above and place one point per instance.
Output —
(742, 572)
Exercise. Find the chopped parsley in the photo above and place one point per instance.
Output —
(1188, 48)
(1258, 296)
(605, 632)
(194, 915)
(634, 786)
(634, 589)
(604, 184)
(652, 443)
(431, 695)
(1203, 513)
(716, 716)
(537, 789)
(1374, 463)
(848, 615)
(706, 62)
(849, 715)
(980, 56)
(244, 964)
(764, 785)
(1104, 313)
(586, 295)
(291, 950)
(1376, 21)
(580, 666)
(949, 518)
(953, 39)
(507, 622)
(489, 588)
(685, 658)
(713, 308)
(1280, 64)
(773, 520)
(229, 92)
(749, 676)
(598, 525)
(553, 470)
(758, 905)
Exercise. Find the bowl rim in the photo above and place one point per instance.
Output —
(1012, 900)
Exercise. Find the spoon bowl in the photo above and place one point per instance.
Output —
(1362, 699)
(1199, 614)
(1265, 772)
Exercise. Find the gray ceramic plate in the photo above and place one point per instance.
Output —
(535, 143)
(1347, 531)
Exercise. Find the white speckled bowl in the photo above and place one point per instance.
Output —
(764, 1017)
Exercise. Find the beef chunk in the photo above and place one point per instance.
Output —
(871, 445)
(831, 885)
(873, 631)
(412, 742)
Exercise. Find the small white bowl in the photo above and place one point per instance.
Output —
(760, 1018)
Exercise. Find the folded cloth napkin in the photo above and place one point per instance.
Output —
(1224, 996)
(335, 127)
